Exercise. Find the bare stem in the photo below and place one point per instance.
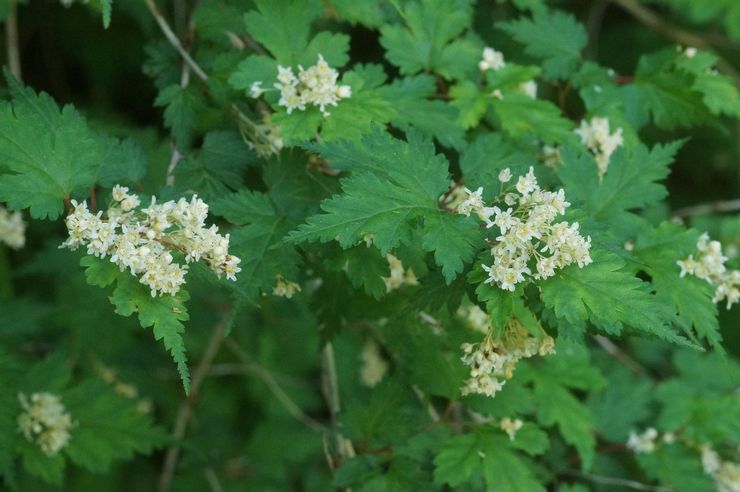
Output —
(174, 41)
(249, 366)
(185, 411)
(706, 208)
(660, 25)
(622, 482)
(11, 38)
(624, 359)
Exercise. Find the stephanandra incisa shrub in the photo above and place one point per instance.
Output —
(486, 248)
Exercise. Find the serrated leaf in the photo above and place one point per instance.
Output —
(164, 314)
(46, 154)
(659, 250)
(394, 184)
(98, 271)
(182, 107)
(463, 458)
(426, 40)
(520, 115)
(108, 428)
(557, 38)
(609, 297)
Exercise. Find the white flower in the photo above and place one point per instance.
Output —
(399, 276)
(492, 60)
(527, 183)
(285, 288)
(143, 241)
(595, 135)
(642, 443)
(256, 90)
(45, 421)
(690, 52)
(709, 265)
(374, 366)
(12, 228)
(316, 86)
(493, 361)
(505, 175)
(528, 88)
(510, 426)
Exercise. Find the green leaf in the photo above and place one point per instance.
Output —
(426, 40)
(676, 466)
(107, 7)
(219, 166)
(557, 38)
(630, 182)
(46, 154)
(124, 162)
(471, 103)
(98, 271)
(394, 184)
(164, 314)
(108, 427)
(608, 296)
(182, 106)
(519, 115)
(659, 250)
(258, 242)
(483, 452)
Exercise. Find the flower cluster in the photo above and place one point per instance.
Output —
(529, 238)
(726, 475)
(267, 140)
(709, 265)
(126, 390)
(642, 443)
(45, 421)
(476, 318)
(285, 288)
(493, 359)
(510, 426)
(494, 60)
(399, 275)
(144, 241)
(315, 86)
(374, 366)
(595, 135)
(12, 228)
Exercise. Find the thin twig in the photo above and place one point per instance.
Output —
(611, 349)
(174, 41)
(249, 366)
(330, 388)
(11, 38)
(682, 36)
(212, 479)
(186, 407)
(630, 484)
(706, 208)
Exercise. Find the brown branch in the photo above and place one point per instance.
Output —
(624, 359)
(621, 482)
(185, 412)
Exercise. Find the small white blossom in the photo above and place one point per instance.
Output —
(492, 60)
(529, 240)
(476, 318)
(267, 140)
(374, 366)
(528, 88)
(285, 288)
(709, 265)
(399, 275)
(493, 361)
(511, 426)
(144, 241)
(642, 443)
(12, 228)
(551, 156)
(690, 52)
(595, 135)
(315, 86)
(45, 421)
(256, 90)
(505, 175)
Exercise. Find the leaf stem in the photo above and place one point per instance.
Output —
(185, 412)
(11, 38)
(705, 208)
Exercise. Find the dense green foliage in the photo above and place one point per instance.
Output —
(335, 359)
